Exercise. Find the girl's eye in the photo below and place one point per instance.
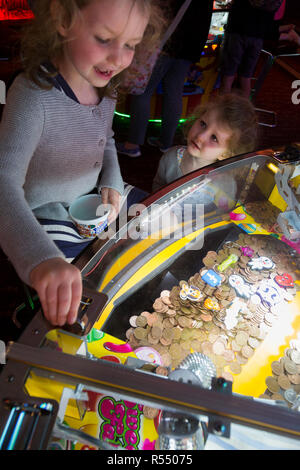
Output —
(202, 124)
(102, 41)
(107, 41)
(214, 138)
(131, 48)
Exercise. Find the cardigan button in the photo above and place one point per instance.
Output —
(96, 112)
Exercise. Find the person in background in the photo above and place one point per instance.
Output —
(224, 127)
(250, 22)
(182, 49)
(56, 138)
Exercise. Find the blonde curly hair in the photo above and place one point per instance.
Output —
(41, 42)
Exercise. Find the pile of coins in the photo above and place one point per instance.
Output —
(284, 383)
(264, 213)
(177, 326)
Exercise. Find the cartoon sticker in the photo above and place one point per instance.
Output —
(261, 263)
(284, 280)
(232, 259)
(211, 304)
(232, 313)
(242, 288)
(247, 251)
(190, 292)
(268, 293)
(211, 278)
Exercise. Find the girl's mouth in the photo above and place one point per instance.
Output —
(106, 74)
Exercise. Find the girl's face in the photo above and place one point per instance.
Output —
(208, 139)
(101, 42)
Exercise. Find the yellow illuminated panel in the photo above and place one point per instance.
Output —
(126, 258)
(251, 381)
(277, 200)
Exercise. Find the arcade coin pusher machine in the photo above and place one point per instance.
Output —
(188, 334)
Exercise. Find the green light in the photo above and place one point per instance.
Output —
(127, 116)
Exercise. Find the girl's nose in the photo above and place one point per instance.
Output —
(203, 136)
(200, 138)
(116, 57)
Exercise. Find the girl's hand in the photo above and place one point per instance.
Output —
(286, 28)
(112, 197)
(59, 287)
(291, 36)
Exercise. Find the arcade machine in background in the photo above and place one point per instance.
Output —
(15, 10)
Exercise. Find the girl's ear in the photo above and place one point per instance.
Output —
(56, 11)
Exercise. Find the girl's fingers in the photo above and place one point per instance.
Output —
(64, 300)
(61, 303)
(112, 214)
(104, 195)
(76, 292)
(41, 291)
(51, 303)
(59, 287)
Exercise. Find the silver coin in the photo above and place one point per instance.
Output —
(295, 356)
(290, 395)
(296, 404)
(295, 344)
(132, 321)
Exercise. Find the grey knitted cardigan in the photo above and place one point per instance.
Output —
(52, 150)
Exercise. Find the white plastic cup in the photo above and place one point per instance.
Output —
(83, 211)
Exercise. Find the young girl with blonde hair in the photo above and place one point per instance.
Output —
(56, 138)
(224, 127)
